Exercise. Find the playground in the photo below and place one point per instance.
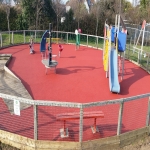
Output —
(79, 78)
(76, 93)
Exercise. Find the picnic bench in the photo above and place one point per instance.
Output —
(54, 40)
(73, 116)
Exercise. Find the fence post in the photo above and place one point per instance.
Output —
(81, 124)
(12, 38)
(35, 122)
(120, 118)
(87, 40)
(35, 36)
(148, 113)
(67, 37)
(97, 41)
(24, 36)
(1, 40)
(147, 62)
(129, 47)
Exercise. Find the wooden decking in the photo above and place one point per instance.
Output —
(11, 85)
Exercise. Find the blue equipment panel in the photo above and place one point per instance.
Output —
(43, 41)
(113, 34)
(122, 41)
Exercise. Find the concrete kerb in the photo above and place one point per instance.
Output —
(114, 142)
(8, 56)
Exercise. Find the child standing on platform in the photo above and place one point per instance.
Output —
(60, 49)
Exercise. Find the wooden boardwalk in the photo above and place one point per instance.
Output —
(11, 86)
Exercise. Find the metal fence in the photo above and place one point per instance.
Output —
(39, 120)
(142, 58)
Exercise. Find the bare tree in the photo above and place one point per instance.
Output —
(96, 11)
(58, 8)
(38, 5)
(79, 9)
(7, 5)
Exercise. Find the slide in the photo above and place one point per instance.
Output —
(43, 41)
(113, 72)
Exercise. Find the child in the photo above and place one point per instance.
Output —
(60, 49)
(31, 45)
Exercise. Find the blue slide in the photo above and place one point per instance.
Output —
(113, 72)
(43, 41)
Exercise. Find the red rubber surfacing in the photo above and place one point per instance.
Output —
(80, 76)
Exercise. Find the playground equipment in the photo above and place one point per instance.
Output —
(140, 47)
(110, 54)
(49, 63)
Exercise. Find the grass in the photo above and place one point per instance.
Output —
(92, 41)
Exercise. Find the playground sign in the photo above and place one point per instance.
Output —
(16, 107)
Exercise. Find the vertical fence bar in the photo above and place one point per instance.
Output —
(35, 122)
(12, 38)
(87, 41)
(35, 36)
(120, 118)
(97, 41)
(67, 37)
(24, 35)
(148, 113)
(147, 62)
(81, 125)
(1, 40)
(138, 57)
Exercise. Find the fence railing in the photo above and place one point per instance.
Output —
(39, 120)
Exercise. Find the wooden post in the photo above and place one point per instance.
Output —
(120, 118)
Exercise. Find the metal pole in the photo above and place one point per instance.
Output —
(35, 122)
(97, 41)
(123, 64)
(67, 37)
(81, 125)
(87, 40)
(24, 36)
(50, 45)
(148, 113)
(35, 36)
(12, 37)
(148, 62)
(1, 41)
(142, 40)
(120, 118)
